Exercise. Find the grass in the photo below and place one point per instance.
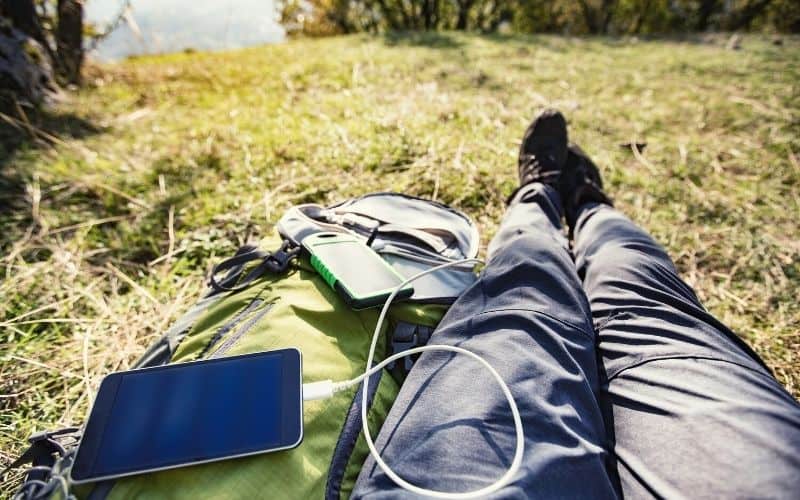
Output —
(115, 204)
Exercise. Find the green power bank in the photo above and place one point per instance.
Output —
(354, 270)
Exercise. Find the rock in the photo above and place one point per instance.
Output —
(25, 72)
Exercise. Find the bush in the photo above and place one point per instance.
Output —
(331, 17)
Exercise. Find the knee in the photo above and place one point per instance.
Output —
(523, 245)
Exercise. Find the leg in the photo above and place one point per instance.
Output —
(692, 410)
(450, 428)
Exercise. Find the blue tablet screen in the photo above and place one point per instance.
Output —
(190, 413)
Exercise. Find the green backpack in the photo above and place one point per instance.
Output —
(260, 301)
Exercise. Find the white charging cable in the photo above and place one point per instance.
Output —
(327, 388)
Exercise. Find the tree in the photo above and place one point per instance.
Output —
(430, 14)
(598, 19)
(704, 12)
(742, 18)
(64, 45)
(69, 40)
(328, 17)
(463, 13)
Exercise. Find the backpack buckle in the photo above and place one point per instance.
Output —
(405, 337)
(278, 261)
(275, 262)
(43, 450)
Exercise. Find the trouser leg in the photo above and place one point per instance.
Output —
(451, 429)
(693, 412)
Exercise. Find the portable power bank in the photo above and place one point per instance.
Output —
(360, 276)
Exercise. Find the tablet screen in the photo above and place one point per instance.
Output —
(188, 413)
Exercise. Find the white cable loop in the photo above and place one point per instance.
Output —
(364, 379)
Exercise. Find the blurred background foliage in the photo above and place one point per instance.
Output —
(613, 17)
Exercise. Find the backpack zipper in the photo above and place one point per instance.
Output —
(230, 325)
(233, 338)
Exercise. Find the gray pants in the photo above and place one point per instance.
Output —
(626, 385)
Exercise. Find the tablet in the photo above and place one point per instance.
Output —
(190, 413)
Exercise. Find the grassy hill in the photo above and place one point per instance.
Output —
(114, 205)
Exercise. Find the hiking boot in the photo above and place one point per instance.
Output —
(580, 183)
(544, 149)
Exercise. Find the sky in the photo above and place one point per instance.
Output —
(173, 25)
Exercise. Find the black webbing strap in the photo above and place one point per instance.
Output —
(404, 337)
(273, 262)
(45, 448)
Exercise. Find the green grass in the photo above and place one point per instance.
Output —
(114, 205)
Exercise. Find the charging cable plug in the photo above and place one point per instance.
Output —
(318, 390)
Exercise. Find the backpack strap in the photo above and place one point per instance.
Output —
(348, 436)
(273, 262)
(404, 337)
(45, 451)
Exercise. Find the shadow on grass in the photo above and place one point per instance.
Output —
(561, 43)
(451, 40)
(527, 41)
(430, 39)
(40, 129)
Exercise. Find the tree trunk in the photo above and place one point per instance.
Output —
(704, 12)
(69, 39)
(598, 20)
(589, 17)
(608, 14)
(437, 13)
(427, 14)
(638, 22)
(463, 14)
